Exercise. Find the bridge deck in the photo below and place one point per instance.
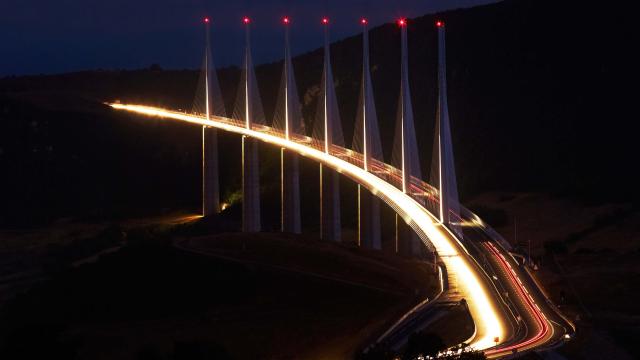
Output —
(467, 278)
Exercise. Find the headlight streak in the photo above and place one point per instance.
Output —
(538, 315)
(481, 307)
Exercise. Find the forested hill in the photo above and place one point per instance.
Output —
(540, 93)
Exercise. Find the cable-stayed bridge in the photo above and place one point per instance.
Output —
(511, 313)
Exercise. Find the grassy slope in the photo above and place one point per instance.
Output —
(151, 298)
(593, 273)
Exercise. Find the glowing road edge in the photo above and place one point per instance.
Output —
(481, 307)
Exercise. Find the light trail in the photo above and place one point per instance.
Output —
(540, 319)
(457, 261)
(481, 306)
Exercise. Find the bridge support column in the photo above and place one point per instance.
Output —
(290, 192)
(368, 219)
(210, 187)
(329, 204)
(407, 241)
(250, 186)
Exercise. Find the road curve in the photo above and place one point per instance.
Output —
(492, 318)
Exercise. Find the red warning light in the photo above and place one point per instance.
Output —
(439, 23)
(325, 20)
(246, 20)
(206, 19)
(402, 22)
(285, 20)
(364, 21)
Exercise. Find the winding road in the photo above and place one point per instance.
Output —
(510, 312)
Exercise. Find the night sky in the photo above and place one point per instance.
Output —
(54, 36)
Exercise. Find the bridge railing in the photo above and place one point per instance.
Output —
(423, 192)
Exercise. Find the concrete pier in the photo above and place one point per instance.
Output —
(250, 186)
(329, 204)
(368, 219)
(290, 192)
(407, 241)
(210, 186)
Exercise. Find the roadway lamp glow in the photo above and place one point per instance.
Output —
(483, 312)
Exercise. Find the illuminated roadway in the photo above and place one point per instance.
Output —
(510, 312)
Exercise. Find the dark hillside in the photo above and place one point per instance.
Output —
(539, 92)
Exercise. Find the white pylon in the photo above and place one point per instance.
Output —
(406, 148)
(329, 179)
(210, 185)
(289, 163)
(250, 172)
(444, 177)
(367, 140)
